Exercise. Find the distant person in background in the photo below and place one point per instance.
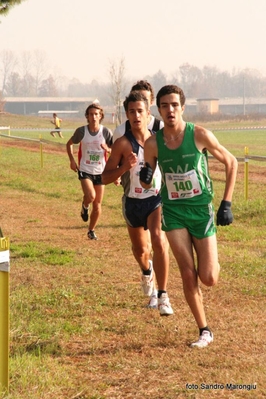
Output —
(56, 122)
(95, 141)
(154, 124)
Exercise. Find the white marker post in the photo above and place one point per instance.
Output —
(4, 313)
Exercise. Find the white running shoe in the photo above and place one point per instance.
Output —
(147, 282)
(153, 303)
(164, 305)
(204, 340)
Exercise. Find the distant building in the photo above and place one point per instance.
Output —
(207, 106)
(77, 105)
(33, 105)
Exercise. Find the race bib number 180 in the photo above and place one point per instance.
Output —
(182, 185)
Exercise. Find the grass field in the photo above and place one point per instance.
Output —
(79, 328)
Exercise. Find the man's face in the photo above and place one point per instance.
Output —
(171, 110)
(137, 114)
(94, 116)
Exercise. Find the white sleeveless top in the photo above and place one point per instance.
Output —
(130, 179)
(92, 157)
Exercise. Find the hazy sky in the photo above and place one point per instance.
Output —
(80, 37)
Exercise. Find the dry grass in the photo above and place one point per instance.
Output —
(80, 329)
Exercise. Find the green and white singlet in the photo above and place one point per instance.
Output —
(186, 190)
(185, 173)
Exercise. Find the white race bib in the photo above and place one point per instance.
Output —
(182, 185)
(93, 157)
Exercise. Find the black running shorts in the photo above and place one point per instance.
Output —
(136, 211)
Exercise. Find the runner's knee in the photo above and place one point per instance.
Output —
(209, 279)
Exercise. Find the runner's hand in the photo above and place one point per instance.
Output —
(224, 214)
(146, 173)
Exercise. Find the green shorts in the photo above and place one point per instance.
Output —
(198, 220)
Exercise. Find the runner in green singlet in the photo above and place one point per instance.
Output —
(187, 211)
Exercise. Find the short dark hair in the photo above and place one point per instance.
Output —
(169, 89)
(143, 85)
(95, 106)
(133, 97)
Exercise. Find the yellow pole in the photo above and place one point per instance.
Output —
(246, 173)
(4, 314)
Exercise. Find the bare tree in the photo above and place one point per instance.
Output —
(158, 80)
(9, 61)
(190, 78)
(48, 88)
(33, 66)
(40, 68)
(28, 85)
(13, 86)
(2, 103)
(26, 62)
(117, 80)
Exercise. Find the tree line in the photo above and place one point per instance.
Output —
(28, 75)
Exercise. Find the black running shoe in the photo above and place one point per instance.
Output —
(92, 235)
(84, 213)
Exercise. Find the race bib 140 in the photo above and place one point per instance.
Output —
(182, 185)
